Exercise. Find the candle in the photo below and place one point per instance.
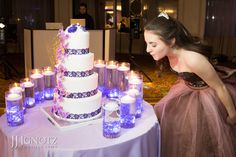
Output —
(123, 69)
(99, 63)
(18, 88)
(138, 101)
(111, 119)
(99, 68)
(136, 82)
(28, 84)
(37, 77)
(14, 108)
(13, 97)
(111, 79)
(127, 111)
(29, 92)
(49, 83)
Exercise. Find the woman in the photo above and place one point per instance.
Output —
(197, 116)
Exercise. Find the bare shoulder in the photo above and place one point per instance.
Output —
(194, 60)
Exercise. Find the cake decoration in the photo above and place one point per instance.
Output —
(76, 96)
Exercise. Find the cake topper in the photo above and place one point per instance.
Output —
(163, 14)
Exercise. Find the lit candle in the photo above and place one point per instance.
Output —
(127, 99)
(127, 111)
(99, 63)
(111, 119)
(135, 81)
(99, 68)
(29, 92)
(13, 97)
(123, 69)
(138, 101)
(28, 84)
(14, 108)
(123, 66)
(49, 83)
(48, 71)
(38, 79)
(111, 65)
(111, 79)
(18, 88)
(133, 92)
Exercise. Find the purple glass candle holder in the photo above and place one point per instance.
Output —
(122, 71)
(37, 77)
(14, 109)
(111, 119)
(29, 92)
(49, 83)
(127, 111)
(18, 88)
(111, 79)
(99, 68)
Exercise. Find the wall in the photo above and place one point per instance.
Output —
(63, 11)
(192, 14)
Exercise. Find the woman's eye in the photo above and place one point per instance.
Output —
(154, 45)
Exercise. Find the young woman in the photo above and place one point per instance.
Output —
(197, 116)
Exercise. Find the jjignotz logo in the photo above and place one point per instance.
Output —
(36, 142)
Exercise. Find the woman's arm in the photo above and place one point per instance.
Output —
(200, 66)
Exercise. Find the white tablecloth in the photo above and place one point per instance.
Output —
(37, 137)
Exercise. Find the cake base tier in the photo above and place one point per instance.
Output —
(77, 118)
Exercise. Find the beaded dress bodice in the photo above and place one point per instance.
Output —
(191, 79)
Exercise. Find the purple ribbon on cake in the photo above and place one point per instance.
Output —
(79, 94)
(78, 73)
(76, 51)
(67, 115)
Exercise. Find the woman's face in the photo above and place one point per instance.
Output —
(156, 47)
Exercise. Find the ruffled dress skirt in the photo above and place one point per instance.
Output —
(193, 122)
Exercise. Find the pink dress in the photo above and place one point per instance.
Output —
(193, 120)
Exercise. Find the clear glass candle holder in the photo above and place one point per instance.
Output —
(99, 68)
(14, 108)
(122, 71)
(138, 101)
(37, 77)
(111, 119)
(111, 79)
(135, 81)
(29, 92)
(18, 88)
(49, 82)
(127, 110)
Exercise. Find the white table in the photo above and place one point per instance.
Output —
(37, 137)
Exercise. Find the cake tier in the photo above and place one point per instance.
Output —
(80, 84)
(83, 108)
(78, 37)
(79, 63)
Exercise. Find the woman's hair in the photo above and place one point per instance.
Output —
(168, 28)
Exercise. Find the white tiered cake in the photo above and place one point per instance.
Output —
(78, 97)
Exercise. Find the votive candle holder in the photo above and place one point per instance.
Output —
(111, 119)
(122, 71)
(49, 82)
(29, 92)
(135, 81)
(127, 110)
(38, 79)
(111, 79)
(18, 88)
(99, 68)
(14, 108)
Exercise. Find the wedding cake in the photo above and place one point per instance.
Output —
(77, 97)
